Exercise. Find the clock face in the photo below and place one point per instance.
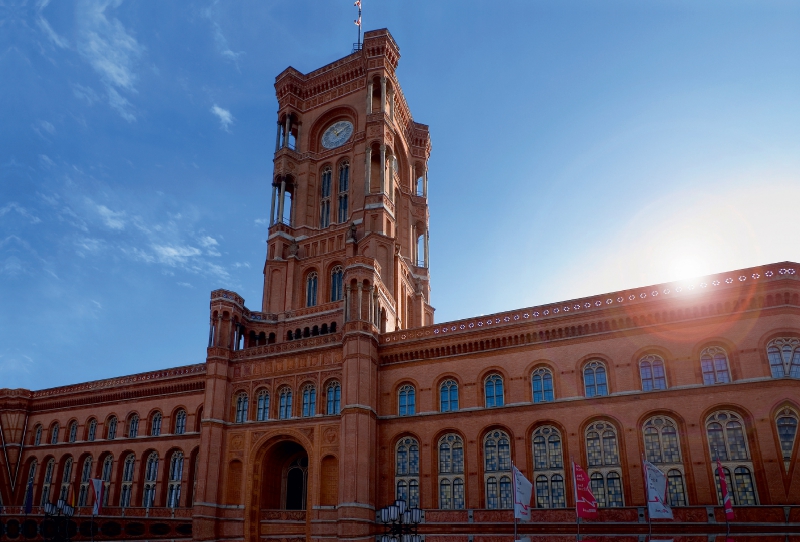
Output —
(337, 134)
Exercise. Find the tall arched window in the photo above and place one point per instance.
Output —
(127, 481)
(155, 426)
(31, 478)
(651, 371)
(309, 400)
(406, 399)
(334, 398)
(662, 448)
(133, 426)
(285, 404)
(48, 481)
(112, 428)
(594, 379)
(784, 357)
(728, 443)
(54, 434)
(542, 385)
(451, 472)
(86, 474)
(180, 422)
(548, 468)
(92, 430)
(311, 289)
(262, 412)
(407, 471)
(786, 424)
(493, 391)
(344, 187)
(150, 477)
(448, 396)
(37, 439)
(602, 452)
(66, 478)
(105, 476)
(714, 362)
(336, 283)
(497, 469)
(73, 431)
(175, 478)
(241, 407)
(325, 201)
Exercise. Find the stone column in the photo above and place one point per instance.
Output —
(368, 172)
(281, 198)
(383, 94)
(278, 138)
(383, 169)
(272, 206)
(297, 139)
(391, 104)
(360, 299)
(347, 303)
(370, 299)
(427, 236)
(287, 129)
(425, 183)
(390, 188)
(369, 97)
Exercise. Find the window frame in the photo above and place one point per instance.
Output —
(594, 365)
(407, 391)
(653, 360)
(551, 473)
(450, 384)
(790, 368)
(494, 378)
(728, 464)
(607, 466)
(712, 352)
(495, 473)
(541, 373)
(452, 472)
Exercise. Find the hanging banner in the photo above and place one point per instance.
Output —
(97, 489)
(585, 503)
(726, 497)
(522, 495)
(656, 482)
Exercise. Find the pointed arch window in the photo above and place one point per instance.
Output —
(309, 400)
(451, 472)
(334, 398)
(37, 439)
(175, 478)
(108, 464)
(714, 362)
(595, 381)
(241, 407)
(31, 478)
(48, 481)
(180, 422)
(133, 426)
(662, 448)
(407, 471)
(602, 452)
(112, 428)
(127, 481)
(542, 385)
(150, 476)
(86, 474)
(448, 396)
(727, 442)
(406, 398)
(493, 391)
(548, 468)
(311, 289)
(54, 434)
(155, 426)
(325, 202)
(336, 283)
(262, 411)
(344, 187)
(285, 404)
(651, 371)
(497, 469)
(92, 430)
(784, 357)
(786, 424)
(73, 431)
(66, 478)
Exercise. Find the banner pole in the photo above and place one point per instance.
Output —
(647, 499)
(514, 492)
(575, 493)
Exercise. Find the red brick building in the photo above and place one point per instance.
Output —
(340, 394)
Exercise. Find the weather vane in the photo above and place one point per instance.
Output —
(357, 45)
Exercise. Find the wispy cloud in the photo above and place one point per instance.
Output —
(15, 364)
(175, 255)
(225, 117)
(261, 221)
(22, 211)
(112, 219)
(84, 93)
(44, 25)
(219, 38)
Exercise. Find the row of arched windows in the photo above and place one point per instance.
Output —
(310, 331)
(308, 405)
(326, 189)
(725, 436)
(784, 355)
(130, 428)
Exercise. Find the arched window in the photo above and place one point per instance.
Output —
(175, 478)
(651, 371)
(127, 481)
(86, 474)
(407, 401)
(180, 422)
(311, 289)
(542, 385)
(241, 408)
(344, 187)
(325, 201)
(309, 400)
(493, 391)
(108, 464)
(133, 426)
(728, 443)
(92, 430)
(47, 482)
(54, 434)
(451, 472)
(594, 379)
(407, 471)
(112, 428)
(784, 357)
(37, 439)
(285, 404)
(497, 469)
(602, 452)
(31, 478)
(662, 448)
(150, 476)
(714, 362)
(548, 468)
(786, 424)
(262, 412)
(66, 478)
(73, 431)
(334, 398)
(155, 426)
(336, 284)
(448, 396)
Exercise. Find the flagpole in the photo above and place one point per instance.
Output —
(647, 500)
(514, 492)
(575, 493)
(721, 476)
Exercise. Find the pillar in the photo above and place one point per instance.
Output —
(370, 301)
(368, 172)
(383, 169)
(272, 206)
(281, 199)
(369, 97)
(297, 139)
(360, 299)
(391, 104)
(383, 94)
(390, 190)
(278, 138)
(347, 303)
(286, 130)
(425, 183)
(427, 236)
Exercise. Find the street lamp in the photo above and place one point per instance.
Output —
(400, 522)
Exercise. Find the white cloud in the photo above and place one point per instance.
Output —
(112, 219)
(208, 242)
(174, 255)
(22, 211)
(84, 93)
(185, 284)
(46, 28)
(261, 221)
(225, 117)
(220, 39)
(15, 364)
(46, 161)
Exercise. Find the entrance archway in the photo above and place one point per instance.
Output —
(284, 477)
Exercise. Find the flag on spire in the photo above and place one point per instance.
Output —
(723, 488)
(358, 4)
(358, 21)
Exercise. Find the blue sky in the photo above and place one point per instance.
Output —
(578, 148)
